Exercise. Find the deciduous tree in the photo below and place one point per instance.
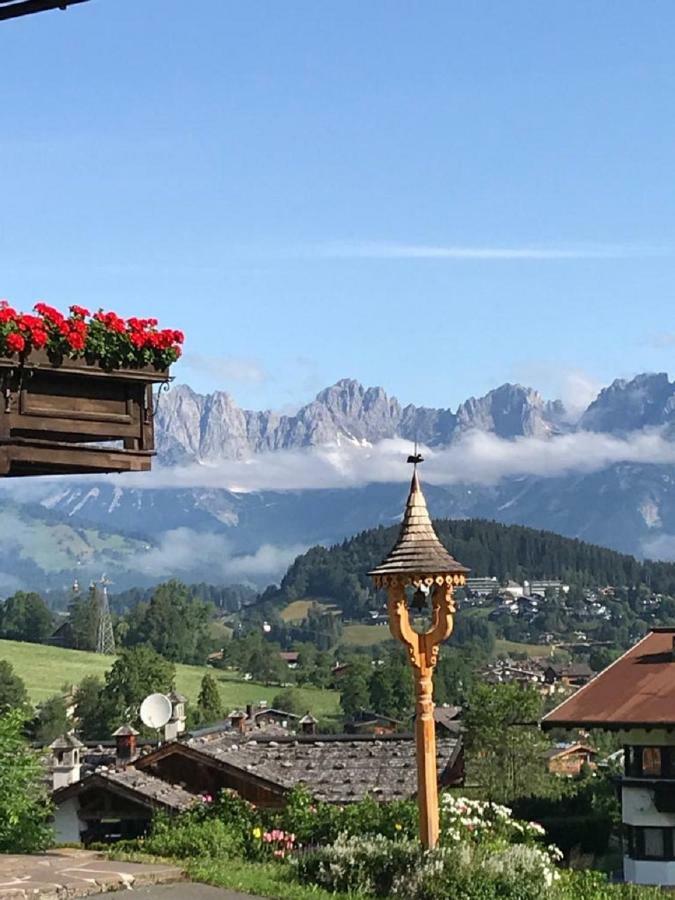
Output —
(25, 617)
(24, 805)
(504, 745)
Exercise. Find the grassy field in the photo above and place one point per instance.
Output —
(365, 635)
(298, 609)
(46, 669)
(504, 646)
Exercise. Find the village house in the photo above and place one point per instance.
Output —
(635, 696)
(567, 674)
(570, 758)
(119, 800)
(366, 721)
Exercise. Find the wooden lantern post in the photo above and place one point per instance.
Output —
(419, 560)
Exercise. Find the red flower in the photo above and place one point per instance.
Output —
(38, 338)
(79, 311)
(111, 320)
(49, 313)
(7, 314)
(76, 341)
(138, 339)
(15, 343)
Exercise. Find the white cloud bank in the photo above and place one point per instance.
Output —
(182, 551)
(476, 458)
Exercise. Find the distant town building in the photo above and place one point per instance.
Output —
(543, 585)
(570, 758)
(635, 697)
(482, 586)
(568, 674)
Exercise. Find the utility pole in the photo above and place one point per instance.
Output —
(105, 639)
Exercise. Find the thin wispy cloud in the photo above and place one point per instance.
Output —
(227, 368)
(662, 341)
(385, 250)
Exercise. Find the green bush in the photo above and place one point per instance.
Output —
(315, 823)
(191, 835)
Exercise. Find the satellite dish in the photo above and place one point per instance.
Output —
(156, 710)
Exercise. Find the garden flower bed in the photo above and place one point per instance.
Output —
(75, 384)
(368, 850)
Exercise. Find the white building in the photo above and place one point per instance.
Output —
(482, 586)
(635, 697)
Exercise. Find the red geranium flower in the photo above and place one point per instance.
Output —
(79, 311)
(38, 338)
(76, 341)
(15, 343)
(48, 312)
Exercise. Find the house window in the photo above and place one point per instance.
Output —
(651, 761)
(654, 844)
(649, 843)
(668, 762)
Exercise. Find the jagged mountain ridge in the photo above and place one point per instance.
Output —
(207, 428)
(202, 533)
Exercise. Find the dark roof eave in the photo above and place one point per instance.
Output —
(549, 725)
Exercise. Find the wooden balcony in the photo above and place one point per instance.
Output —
(75, 417)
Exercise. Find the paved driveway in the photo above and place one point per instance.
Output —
(74, 873)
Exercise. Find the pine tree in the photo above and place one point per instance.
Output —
(13, 693)
(209, 706)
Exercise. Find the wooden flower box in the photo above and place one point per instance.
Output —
(75, 417)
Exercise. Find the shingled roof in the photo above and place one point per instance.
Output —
(636, 691)
(66, 741)
(134, 784)
(418, 550)
(334, 768)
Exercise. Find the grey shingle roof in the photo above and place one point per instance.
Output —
(146, 788)
(418, 550)
(66, 742)
(334, 768)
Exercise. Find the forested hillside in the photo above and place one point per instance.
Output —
(339, 573)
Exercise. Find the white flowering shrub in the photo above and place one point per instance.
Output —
(480, 821)
(484, 853)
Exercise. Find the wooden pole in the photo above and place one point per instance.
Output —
(422, 654)
(425, 743)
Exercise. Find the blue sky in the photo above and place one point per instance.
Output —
(436, 197)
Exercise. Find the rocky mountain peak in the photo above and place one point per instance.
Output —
(510, 410)
(628, 405)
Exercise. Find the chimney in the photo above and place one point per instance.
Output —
(176, 724)
(125, 744)
(308, 724)
(66, 763)
(238, 720)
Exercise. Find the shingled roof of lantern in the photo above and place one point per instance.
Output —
(418, 553)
